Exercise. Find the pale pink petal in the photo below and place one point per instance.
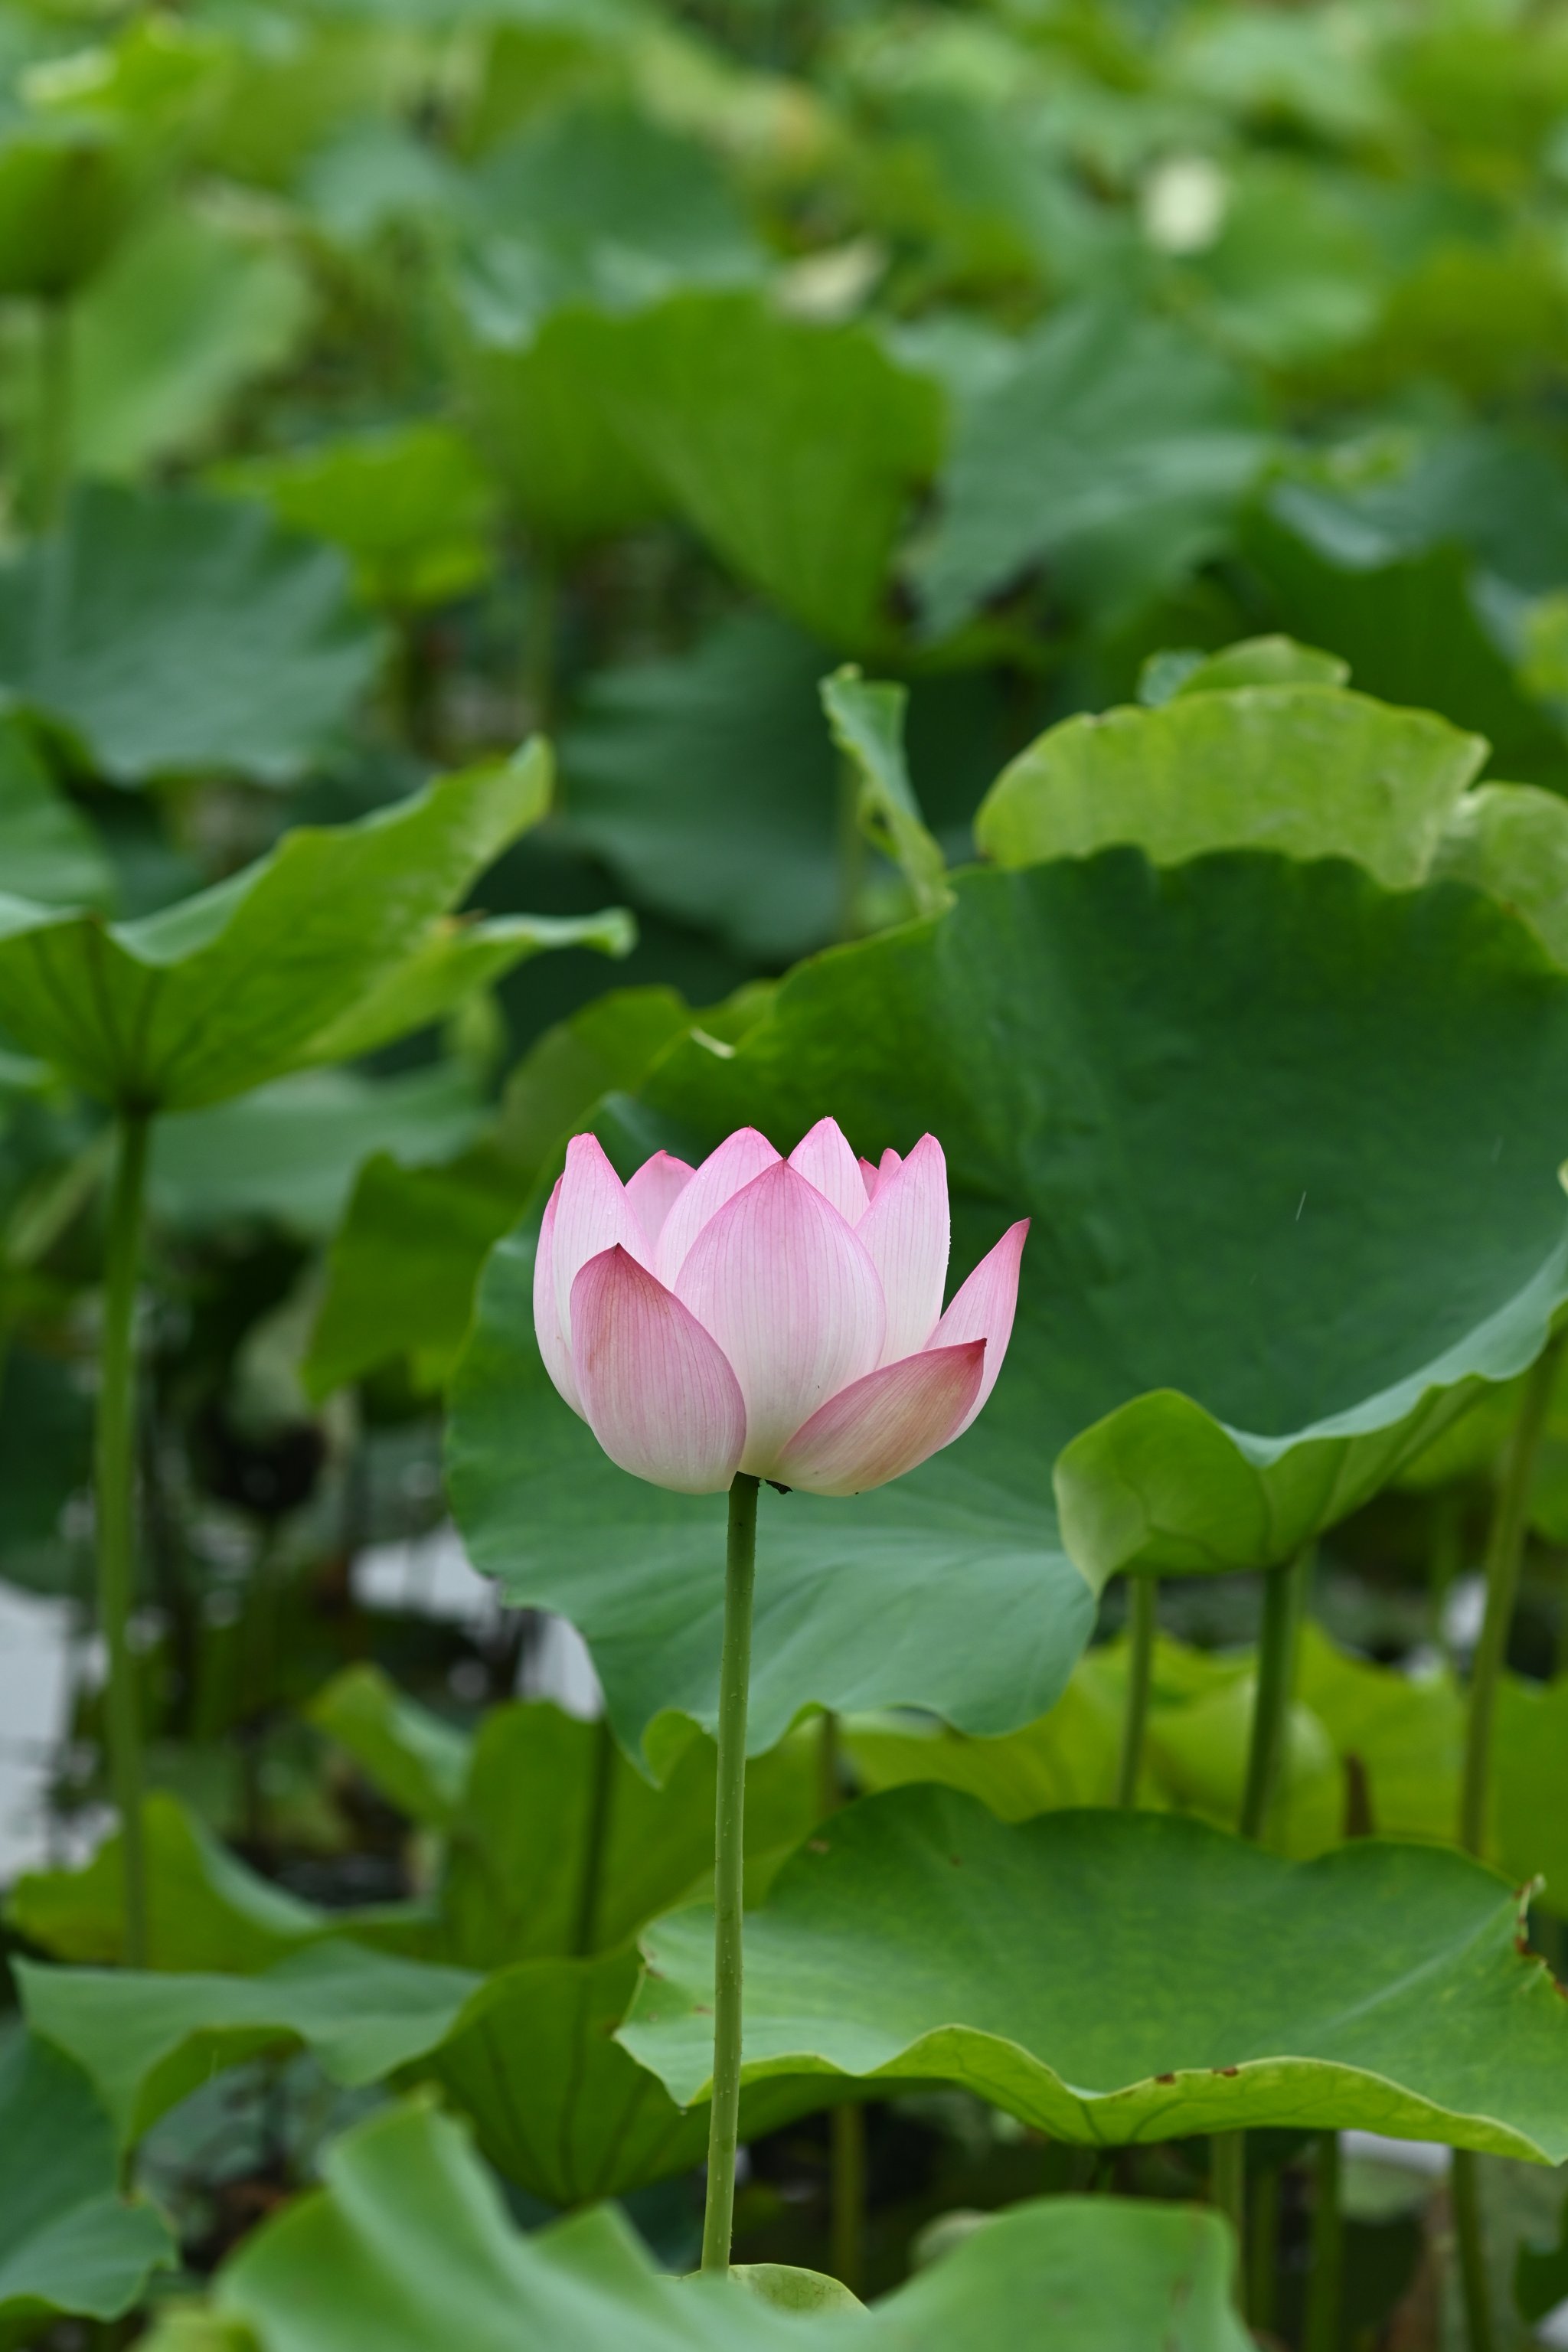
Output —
(868, 1178)
(823, 1159)
(592, 1213)
(656, 1393)
(984, 1308)
(886, 1423)
(786, 1288)
(722, 1174)
(547, 1330)
(654, 1191)
(905, 1230)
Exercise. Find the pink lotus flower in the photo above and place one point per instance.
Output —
(777, 1317)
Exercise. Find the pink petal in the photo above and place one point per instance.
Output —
(886, 1423)
(592, 1213)
(789, 1292)
(984, 1308)
(722, 1174)
(905, 1230)
(868, 1178)
(889, 1165)
(552, 1347)
(656, 1393)
(823, 1159)
(654, 1191)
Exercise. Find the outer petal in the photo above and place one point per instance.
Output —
(722, 1174)
(592, 1213)
(906, 1229)
(823, 1159)
(885, 1425)
(788, 1291)
(654, 1191)
(656, 1393)
(984, 1309)
(547, 1330)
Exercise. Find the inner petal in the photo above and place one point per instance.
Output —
(791, 1294)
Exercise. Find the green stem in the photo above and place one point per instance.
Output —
(587, 1916)
(1322, 2333)
(734, 1681)
(851, 847)
(1143, 1610)
(1505, 1549)
(847, 2125)
(848, 2257)
(114, 1471)
(1263, 2251)
(1228, 2193)
(541, 621)
(1282, 1591)
(1470, 2242)
(52, 444)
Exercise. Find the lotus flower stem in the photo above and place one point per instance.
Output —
(1323, 2327)
(1470, 2242)
(734, 1681)
(114, 1476)
(1228, 2193)
(1143, 1614)
(1505, 1549)
(1282, 1593)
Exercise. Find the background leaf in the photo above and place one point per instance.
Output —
(1114, 1976)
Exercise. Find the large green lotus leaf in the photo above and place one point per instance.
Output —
(65, 195)
(290, 1152)
(408, 2247)
(417, 1759)
(521, 1839)
(1250, 661)
(405, 1262)
(558, 2106)
(692, 774)
(245, 983)
(172, 633)
(1114, 450)
(187, 315)
(454, 958)
(610, 207)
(1112, 1977)
(1408, 623)
(1290, 1145)
(409, 505)
(68, 2243)
(206, 1910)
(146, 2040)
(49, 851)
(793, 449)
(1309, 770)
(536, 399)
(1511, 841)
